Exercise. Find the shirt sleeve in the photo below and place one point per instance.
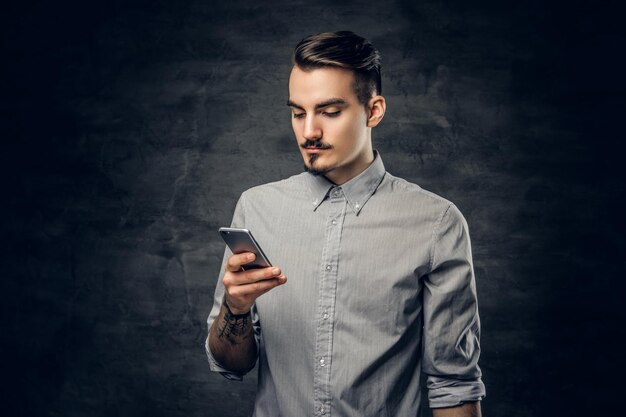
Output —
(451, 324)
(238, 221)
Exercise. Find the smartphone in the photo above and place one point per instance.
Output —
(241, 240)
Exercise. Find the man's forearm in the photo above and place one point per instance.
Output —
(464, 410)
(231, 340)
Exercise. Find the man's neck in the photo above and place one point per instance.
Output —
(342, 175)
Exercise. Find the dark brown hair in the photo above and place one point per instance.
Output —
(343, 49)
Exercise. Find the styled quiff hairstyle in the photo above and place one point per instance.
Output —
(343, 49)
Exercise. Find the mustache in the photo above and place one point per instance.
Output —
(315, 144)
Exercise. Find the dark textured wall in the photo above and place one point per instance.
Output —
(130, 129)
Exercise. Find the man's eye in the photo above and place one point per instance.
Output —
(332, 113)
(298, 115)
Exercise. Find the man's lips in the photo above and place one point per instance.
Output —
(312, 150)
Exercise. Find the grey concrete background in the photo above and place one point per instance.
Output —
(130, 129)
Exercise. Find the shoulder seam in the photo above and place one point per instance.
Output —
(416, 188)
(435, 233)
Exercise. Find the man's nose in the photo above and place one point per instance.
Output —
(312, 130)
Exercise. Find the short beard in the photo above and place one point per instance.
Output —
(309, 143)
(314, 171)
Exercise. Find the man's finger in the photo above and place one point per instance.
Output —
(281, 280)
(250, 276)
(235, 261)
(257, 288)
(254, 275)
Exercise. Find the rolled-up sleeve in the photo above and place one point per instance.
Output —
(451, 346)
(214, 365)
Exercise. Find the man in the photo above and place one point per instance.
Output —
(381, 283)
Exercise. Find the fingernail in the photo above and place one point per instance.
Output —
(275, 271)
(250, 256)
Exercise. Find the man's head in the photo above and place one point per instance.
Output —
(334, 94)
(343, 50)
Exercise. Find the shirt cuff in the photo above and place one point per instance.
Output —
(216, 367)
(446, 392)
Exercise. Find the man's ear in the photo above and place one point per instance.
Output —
(376, 110)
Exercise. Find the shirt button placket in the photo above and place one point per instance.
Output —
(328, 287)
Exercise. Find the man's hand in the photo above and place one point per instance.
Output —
(242, 288)
(231, 337)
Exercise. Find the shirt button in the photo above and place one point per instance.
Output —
(325, 316)
(328, 267)
(321, 410)
(322, 362)
(334, 222)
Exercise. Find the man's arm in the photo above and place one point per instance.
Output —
(231, 340)
(231, 336)
(451, 347)
(464, 410)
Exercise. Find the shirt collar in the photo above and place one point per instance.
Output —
(357, 191)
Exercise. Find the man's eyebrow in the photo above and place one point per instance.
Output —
(292, 104)
(329, 102)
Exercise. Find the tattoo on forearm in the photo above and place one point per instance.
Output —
(233, 328)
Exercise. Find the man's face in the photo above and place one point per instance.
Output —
(329, 123)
